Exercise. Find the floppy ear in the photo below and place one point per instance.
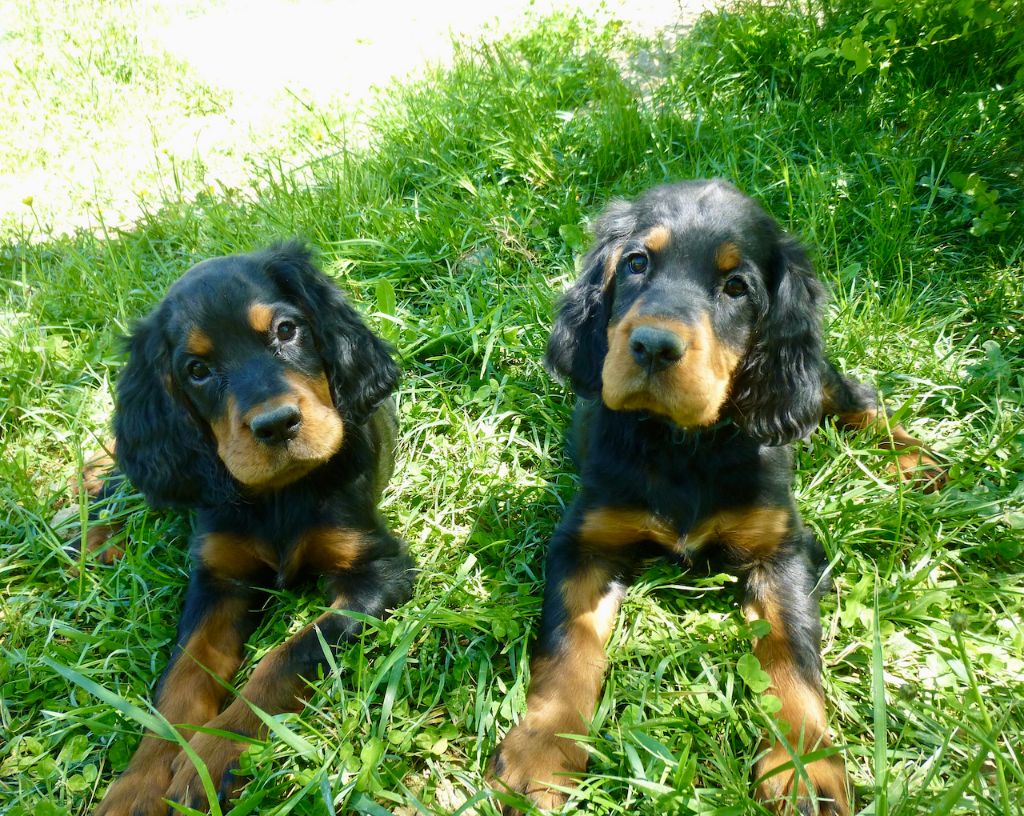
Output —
(579, 339)
(161, 447)
(358, 364)
(777, 392)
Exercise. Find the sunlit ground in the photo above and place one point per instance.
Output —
(233, 78)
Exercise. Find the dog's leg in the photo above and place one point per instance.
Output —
(281, 680)
(782, 592)
(582, 594)
(98, 533)
(98, 480)
(217, 620)
(856, 407)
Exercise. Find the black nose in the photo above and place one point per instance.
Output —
(655, 349)
(277, 425)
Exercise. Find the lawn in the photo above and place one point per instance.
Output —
(890, 140)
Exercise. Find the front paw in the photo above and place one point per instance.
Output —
(921, 470)
(784, 794)
(530, 760)
(220, 756)
(136, 793)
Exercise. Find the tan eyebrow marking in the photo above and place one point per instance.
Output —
(198, 343)
(727, 256)
(260, 317)
(610, 265)
(657, 238)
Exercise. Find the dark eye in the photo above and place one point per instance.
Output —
(734, 287)
(286, 331)
(637, 263)
(198, 371)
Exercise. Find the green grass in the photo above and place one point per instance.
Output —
(453, 230)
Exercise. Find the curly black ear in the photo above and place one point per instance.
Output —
(777, 391)
(358, 364)
(162, 449)
(579, 340)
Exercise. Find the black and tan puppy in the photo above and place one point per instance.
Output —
(693, 339)
(255, 395)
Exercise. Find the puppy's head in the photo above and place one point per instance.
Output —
(693, 305)
(247, 374)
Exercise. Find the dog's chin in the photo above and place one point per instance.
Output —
(684, 410)
(275, 468)
(291, 468)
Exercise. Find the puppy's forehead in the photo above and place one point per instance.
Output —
(220, 294)
(678, 215)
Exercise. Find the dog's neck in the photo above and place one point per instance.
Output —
(634, 459)
(643, 430)
(695, 438)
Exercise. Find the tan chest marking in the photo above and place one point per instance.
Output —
(237, 557)
(755, 530)
(324, 551)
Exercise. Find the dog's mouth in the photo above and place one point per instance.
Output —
(282, 439)
(670, 368)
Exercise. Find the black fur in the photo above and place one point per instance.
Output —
(359, 365)
(578, 344)
(702, 478)
(255, 395)
(776, 394)
(163, 449)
